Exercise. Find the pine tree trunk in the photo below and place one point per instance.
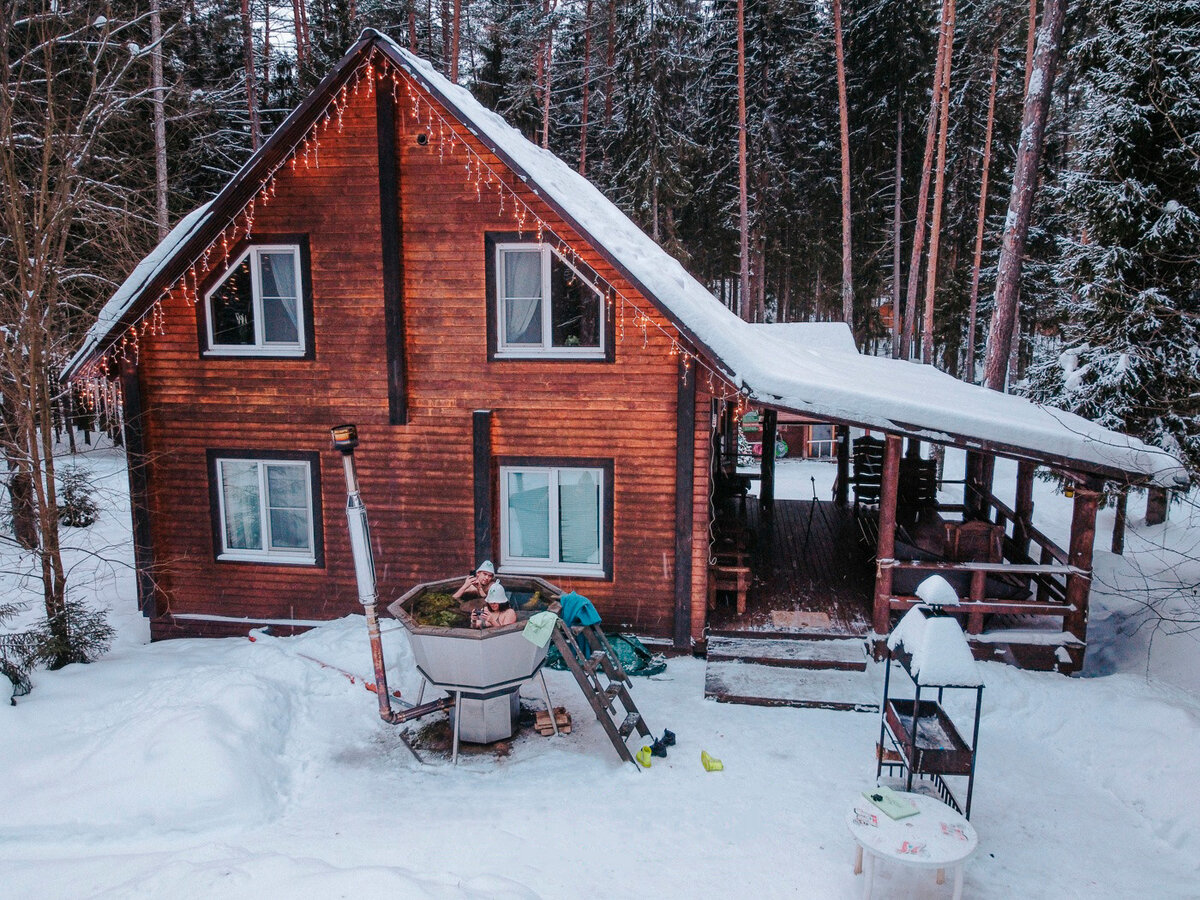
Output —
(161, 214)
(743, 187)
(587, 74)
(547, 59)
(918, 246)
(897, 221)
(455, 37)
(412, 31)
(610, 61)
(1030, 44)
(267, 52)
(445, 16)
(939, 188)
(1020, 204)
(251, 86)
(968, 373)
(300, 26)
(844, 122)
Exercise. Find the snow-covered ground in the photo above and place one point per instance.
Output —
(232, 768)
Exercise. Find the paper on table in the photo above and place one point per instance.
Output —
(894, 806)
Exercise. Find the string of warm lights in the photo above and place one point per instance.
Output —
(98, 386)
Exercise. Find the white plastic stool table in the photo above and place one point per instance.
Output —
(935, 838)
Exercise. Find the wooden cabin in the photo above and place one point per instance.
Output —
(534, 381)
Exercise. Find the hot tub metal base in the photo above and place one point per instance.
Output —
(483, 720)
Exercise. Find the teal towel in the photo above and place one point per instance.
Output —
(578, 610)
(539, 628)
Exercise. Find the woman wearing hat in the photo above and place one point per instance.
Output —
(477, 585)
(498, 610)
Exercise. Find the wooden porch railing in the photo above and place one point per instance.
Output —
(977, 605)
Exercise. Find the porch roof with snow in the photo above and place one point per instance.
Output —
(811, 370)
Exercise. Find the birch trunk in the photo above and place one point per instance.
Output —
(161, 214)
(939, 188)
(743, 187)
(587, 74)
(918, 246)
(897, 220)
(1024, 189)
(251, 85)
(968, 373)
(844, 124)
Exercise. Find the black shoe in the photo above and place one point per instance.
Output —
(657, 749)
(668, 739)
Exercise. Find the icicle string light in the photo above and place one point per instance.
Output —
(480, 175)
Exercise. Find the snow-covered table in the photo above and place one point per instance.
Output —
(935, 838)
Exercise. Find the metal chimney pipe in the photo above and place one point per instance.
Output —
(345, 439)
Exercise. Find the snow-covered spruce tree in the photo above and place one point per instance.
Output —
(1130, 350)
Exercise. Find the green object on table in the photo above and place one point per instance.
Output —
(893, 805)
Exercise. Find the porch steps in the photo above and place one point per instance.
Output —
(823, 652)
(814, 672)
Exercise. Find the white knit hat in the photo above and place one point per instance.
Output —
(496, 594)
(486, 566)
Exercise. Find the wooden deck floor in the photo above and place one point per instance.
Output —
(806, 559)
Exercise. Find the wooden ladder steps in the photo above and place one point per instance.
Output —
(603, 681)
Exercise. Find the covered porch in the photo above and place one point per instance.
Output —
(846, 562)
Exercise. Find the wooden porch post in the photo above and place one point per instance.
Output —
(139, 487)
(766, 493)
(1118, 532)
(843, 465)
(885, 551)
(1079, 554)
(980, 467)
(481, 450)
(1023, 507)
(685, 468)
(391, 228)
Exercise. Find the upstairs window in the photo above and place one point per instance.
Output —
(257, 308)
(544, 306)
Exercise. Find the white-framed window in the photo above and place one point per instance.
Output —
(265, 510)
(552, 519)
(544, 306)
(256, 309)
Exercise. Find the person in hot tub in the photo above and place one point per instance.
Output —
(498, 610)
(477, 585)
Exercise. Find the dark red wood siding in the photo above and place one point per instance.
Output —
(416, 478)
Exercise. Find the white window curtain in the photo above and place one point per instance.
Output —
(522, 296)
(579, 517)
(529, 515)
(280, 292)
(243, 515)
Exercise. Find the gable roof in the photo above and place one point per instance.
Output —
(811, 371)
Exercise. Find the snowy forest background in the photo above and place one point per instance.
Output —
(117, 118)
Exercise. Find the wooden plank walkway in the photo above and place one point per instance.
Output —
(807, 559)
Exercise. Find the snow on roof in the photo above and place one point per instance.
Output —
(940, 654)
(808, 368)
(831, 335)
(131, 289)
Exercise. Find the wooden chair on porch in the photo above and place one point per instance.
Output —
(730, 577)
(975, 541)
